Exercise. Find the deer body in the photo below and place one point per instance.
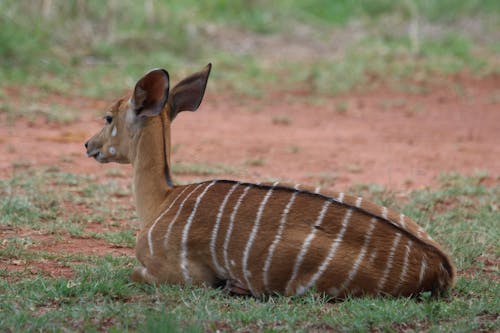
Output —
(259, 239)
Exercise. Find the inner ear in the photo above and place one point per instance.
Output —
(151, 93)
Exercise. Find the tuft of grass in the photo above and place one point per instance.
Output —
(354, 168)
(125, 238)
(282, 120)
(293, 149)
(324, 179)
(255, 162)
(115, 172)
(341, 107)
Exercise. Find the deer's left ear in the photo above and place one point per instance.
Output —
(151, 93)
(188, 94)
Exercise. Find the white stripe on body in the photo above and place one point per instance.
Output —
(420, 231)
(277, 239)
(305, 246)
(402, 221)
(215, 230)
(317, 190)
(354, 270)
(404, 270)
(372, 257)
(384, 212)
(230, 229)
(333, 248)
(185, 234)
(150, 231)
(170, 226)
(423, 267)
(251, 238)
(388, 266)
(331, 253)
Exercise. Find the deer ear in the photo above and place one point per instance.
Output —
(151, 93)
(187, 94)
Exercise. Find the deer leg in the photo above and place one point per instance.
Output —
(236, 288)
(141, 274)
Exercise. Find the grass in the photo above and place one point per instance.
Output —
(54, 202)
(90, 48)
(281, 120)
(94, 49)
(462, 214)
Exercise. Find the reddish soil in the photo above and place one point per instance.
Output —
(395, 139)
(399, 140)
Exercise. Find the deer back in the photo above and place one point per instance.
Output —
(279, 239)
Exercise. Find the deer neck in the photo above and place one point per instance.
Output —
(152, 183)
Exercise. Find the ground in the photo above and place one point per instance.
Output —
(399, 140)
(392, 138)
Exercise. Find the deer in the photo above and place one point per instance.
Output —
(255, 239)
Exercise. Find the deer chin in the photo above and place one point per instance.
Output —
(98, 156)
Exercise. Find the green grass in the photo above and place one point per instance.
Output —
(39, 200)
(91, 48)
(461, 213)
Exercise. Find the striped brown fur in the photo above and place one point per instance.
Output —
(259, 239)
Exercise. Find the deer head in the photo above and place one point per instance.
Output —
(128, 116)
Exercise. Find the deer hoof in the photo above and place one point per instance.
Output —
(234, 287)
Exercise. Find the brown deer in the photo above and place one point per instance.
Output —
(258, 239)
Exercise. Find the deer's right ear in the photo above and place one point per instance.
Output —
(151, 93)
(188, 94)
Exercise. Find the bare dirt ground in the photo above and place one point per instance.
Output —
(399, 140)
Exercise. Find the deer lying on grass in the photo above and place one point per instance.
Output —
(259, 239)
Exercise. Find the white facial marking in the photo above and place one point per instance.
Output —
(114, 131)
(130, 115)
(112, 150)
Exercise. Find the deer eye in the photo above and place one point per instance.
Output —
(108, 119)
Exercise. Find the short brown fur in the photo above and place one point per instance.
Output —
(259, 239)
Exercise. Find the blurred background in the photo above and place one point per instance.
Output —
(93, 48)
(394, 100)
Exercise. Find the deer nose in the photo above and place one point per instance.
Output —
(86, 144)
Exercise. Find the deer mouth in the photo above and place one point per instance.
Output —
(95, 153)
